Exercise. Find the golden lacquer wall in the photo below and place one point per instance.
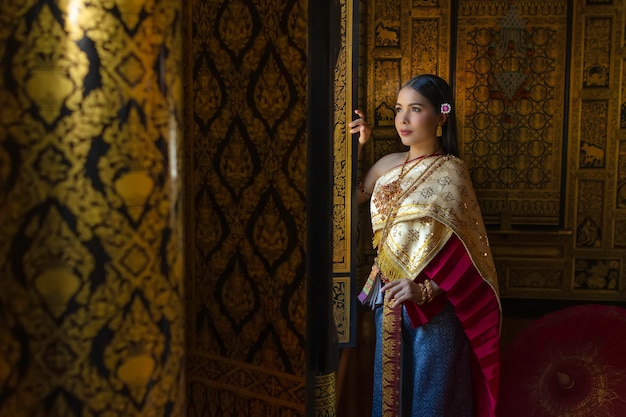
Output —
(91, 257)
(246, 179)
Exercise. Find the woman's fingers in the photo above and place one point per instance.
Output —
(401, 290)
(360, 126)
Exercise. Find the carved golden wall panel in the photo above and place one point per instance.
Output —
(510, 92)
(597, 44)
(343, 104)
(387, 76)
(90, 220)
(246, 184)
(593, 134)
(344, 233)
(589, 213)
(386, 23)
(595, 157)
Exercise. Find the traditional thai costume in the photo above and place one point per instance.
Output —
(440, 358)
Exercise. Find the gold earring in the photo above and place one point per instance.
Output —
(439, 131)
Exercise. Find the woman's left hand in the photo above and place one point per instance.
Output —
(401, 290)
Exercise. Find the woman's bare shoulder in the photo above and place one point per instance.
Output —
(389, 161)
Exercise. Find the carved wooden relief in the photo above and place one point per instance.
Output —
(387, 73)
(596, 152)
(510, 92)
(597, 51)
(590, 214)
(593, 134)
(344, 231)
(425, 54)
(597, 274)
(386, 23)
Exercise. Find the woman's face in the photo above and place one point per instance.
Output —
(416, 119)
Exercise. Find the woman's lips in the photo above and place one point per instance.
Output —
(405, 132)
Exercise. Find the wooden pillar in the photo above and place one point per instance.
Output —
(322, 348)
(91, 297)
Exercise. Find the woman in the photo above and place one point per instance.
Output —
(433, 285)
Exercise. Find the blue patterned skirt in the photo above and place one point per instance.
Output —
(436, 368)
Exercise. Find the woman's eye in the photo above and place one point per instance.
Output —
(398, 109)
(415, 109)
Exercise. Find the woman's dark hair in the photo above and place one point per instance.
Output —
(437, 91)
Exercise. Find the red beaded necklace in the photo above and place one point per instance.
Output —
(388, 193)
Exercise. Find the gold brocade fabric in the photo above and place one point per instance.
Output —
(438, 199)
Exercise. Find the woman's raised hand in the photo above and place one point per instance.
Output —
(360, 126)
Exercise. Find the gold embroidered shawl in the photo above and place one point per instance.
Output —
(437, 199)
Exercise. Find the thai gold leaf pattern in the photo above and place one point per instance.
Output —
(271, 91)
(239, 162)
(131, 357)
(238, 296)
(208, 92)
(57, 273)
(246, 188)
(270, 232)
(52, 78)
(212, 223)
(237, 39)
(90, 242)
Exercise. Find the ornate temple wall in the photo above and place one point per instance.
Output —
(246, 91)
(540, 99)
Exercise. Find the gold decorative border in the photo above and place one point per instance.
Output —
(343, 235)
(277, 388)
(325, 395)
(343, 107)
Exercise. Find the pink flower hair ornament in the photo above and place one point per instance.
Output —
(446, 108)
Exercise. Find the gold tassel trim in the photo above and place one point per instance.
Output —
(389, 267)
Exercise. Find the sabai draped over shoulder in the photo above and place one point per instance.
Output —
(436, 231)
(443, 192)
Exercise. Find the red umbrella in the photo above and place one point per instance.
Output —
(570, 363)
